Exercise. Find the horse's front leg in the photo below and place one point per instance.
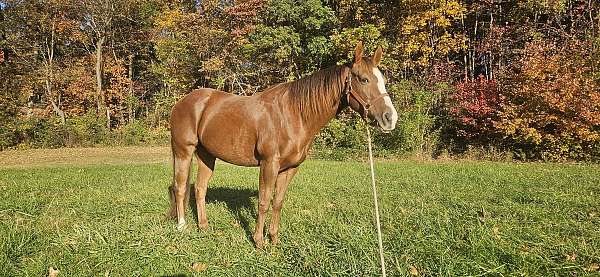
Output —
(283, 180)
(268, 176)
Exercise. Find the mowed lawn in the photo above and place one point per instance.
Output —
(100, 212)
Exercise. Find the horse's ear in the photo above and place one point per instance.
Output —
(358, 52)
(377, 56)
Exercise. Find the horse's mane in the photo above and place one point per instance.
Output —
(321, 89)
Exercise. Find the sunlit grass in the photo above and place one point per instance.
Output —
(447, 218)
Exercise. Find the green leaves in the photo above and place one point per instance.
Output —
(277, 44)
(346, 39)
(305, 16)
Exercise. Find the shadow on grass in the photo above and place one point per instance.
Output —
(238, 202)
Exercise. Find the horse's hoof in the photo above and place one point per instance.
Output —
(275, 240)
(203, 226)
(181, 226)
(259, 243)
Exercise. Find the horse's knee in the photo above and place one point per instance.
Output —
(263, 207)
(277, 207)
(179, 189)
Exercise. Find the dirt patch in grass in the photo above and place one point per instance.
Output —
(84, 156)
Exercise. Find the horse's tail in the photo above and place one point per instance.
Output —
(172, 212)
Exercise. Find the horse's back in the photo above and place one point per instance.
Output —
(223, 124)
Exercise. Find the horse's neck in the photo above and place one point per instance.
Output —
(315, 122)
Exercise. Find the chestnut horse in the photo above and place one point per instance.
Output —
(273, 130)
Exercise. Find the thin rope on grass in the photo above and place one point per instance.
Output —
(376, 204)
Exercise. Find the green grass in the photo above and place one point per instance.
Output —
(443, 218)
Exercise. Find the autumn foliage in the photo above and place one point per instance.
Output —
(552, 106)
(475, 105)
(519, 76)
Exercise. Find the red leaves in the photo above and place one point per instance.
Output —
(547, 102)
(475, 105)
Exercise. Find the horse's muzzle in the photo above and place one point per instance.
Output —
(386, 121)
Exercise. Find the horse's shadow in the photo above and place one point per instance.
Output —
(238, 201)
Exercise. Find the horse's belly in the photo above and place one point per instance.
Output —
(241, 157)
(230, 142)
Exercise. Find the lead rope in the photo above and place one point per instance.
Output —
(379, 240)
(366, 111)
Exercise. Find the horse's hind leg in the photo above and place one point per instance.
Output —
(206, 165)
(182, 158)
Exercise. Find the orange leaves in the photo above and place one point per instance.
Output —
(546, 105)
(550, 98)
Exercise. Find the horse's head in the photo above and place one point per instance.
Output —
(367, 94)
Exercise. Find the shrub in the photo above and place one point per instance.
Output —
(89, 129)
(552, 107)
(133, 133)
(346, 132)
(473, 108)
(417, 131)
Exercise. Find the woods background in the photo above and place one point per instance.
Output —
(516, 77)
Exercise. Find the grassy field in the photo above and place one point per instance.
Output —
(91, 212)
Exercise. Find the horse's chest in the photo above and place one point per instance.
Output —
(295, 154)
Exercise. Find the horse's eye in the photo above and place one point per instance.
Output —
(364, 80)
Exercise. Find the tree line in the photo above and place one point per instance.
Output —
(518, 76)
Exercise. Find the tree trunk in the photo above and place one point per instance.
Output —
(473, 50)
(590, 9)
(58, 111)
(49, 76)
(130, 100)
(100, 101)
(48, 82)
(490, 52)
(465, 59)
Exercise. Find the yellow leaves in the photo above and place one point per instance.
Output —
(199, 267)
(213, 64)
(593, 267)
(425, 33)
(442, 22)
(496, 232)
(413, 271)
(532, 135)
(455, 9)
(52, 272)
(571, 257)
(168, 19)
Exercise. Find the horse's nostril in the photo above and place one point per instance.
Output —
(387, 116)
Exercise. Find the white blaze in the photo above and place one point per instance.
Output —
(387, 99)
